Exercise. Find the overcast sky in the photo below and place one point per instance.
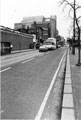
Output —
(13, 11)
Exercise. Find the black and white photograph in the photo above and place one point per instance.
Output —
(40, 59)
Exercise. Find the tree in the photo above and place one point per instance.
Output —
(78, 64)
(75, 7)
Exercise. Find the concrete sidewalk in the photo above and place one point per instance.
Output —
(71, 107)
(19, 51)
(76, 83)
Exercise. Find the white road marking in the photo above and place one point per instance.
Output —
(1, 111)
(41, 109)
(5, 69)
(27, 60)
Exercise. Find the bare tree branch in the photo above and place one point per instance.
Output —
(61, 2)
(68, 3)
(78, 17)
(65, 5)
(78, 7)
(70, 13)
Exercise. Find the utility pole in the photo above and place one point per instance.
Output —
(73, 41)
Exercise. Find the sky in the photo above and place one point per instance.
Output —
(13, 11)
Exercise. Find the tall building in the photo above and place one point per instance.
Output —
(39, 25)
(29, 20)
(53, 26)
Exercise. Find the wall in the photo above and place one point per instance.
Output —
(18, 40)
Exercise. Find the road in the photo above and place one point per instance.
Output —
(25, 79)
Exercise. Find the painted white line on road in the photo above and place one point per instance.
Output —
(27, 60)
(41, 109)
(1, 111)
(5, 69)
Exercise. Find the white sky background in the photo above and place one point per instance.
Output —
(13, 11)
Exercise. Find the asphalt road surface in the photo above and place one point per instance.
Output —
(25, 79)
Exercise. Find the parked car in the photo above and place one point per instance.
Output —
(43, 48)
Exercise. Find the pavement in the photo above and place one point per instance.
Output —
(71, 106)
(19, 51)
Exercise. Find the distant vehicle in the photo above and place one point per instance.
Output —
(43, 48)
(50, 45)
(52, 40)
